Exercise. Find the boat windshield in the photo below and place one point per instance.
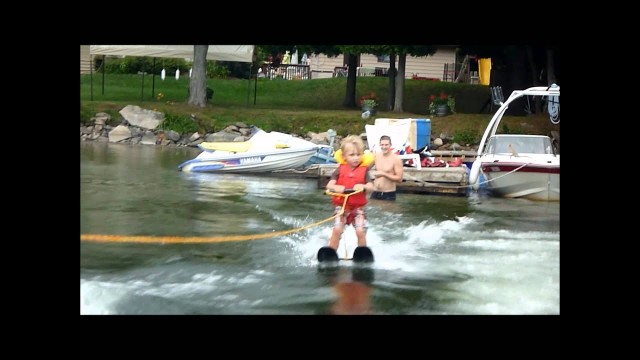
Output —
(520, 144)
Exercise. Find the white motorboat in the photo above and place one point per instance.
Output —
(518, 165)
(263, 152)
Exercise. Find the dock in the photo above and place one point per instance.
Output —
(432, 180)
(427, 180)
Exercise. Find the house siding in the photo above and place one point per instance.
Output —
(85, 59)
(422, 66)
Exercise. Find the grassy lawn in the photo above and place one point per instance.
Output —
(296, 106)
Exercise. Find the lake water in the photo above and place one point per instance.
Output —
(433, 254)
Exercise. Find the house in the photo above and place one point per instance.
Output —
(430, 67)
(438, 66)
(85, 59)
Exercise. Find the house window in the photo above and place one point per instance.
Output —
(383, 58)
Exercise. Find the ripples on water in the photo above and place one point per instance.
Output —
(434, 254)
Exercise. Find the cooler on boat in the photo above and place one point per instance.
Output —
(423, 133)
(419, 134)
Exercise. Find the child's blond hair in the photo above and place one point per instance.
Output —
(354, 140)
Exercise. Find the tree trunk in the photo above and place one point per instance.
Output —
(402, 61)
(551, 73)
(391, 97)
(517, 72)
(198, 81)
(534, 80)
(350, 95)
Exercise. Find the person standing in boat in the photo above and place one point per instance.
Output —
(352, 173)
(388, 171)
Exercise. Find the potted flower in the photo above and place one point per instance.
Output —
(442, 104)
(369, 103)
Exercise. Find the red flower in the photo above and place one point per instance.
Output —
(442, 99)
(369, 100)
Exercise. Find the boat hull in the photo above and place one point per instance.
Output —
(248, 162)
(523, 180)
(519, 165)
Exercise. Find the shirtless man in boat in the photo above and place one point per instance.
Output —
(388, 171)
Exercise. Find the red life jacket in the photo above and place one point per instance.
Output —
(349, 178)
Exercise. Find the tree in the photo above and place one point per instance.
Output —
(397, 76)
(198, 81)
(381, 50)
(330, 51)
(352, 55)
(518, 67)
(352, 75)
(392, 73)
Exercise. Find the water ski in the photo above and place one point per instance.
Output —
(327, 254)
(363, 254)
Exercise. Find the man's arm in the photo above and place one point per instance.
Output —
(396, 174)
(398, 170)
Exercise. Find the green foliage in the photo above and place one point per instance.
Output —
(291, 106)
(321, 94)
(86, 113)
(217, 71)
(179, 123)
(136, 64)
(443, 99)
(513, 129)
(240, 70)
(89, 111)
(466, 136)
(369, 100)
(451, 102)
(110, 67)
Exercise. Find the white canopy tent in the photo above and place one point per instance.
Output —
(239, 53)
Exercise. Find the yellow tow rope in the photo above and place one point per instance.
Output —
(207, 239)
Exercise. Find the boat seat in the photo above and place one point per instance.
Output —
(414, 156)
(233, 146)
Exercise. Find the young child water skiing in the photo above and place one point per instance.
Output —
(352, 174)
